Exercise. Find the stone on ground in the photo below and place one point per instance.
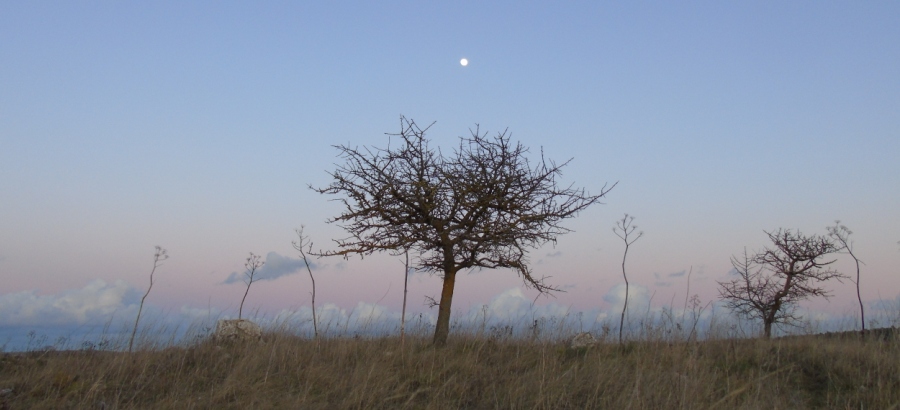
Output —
(583, 339)
(238, 330)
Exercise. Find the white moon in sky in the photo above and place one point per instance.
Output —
(464, 62)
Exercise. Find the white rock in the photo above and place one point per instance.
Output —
(238, 330)
(583, 339)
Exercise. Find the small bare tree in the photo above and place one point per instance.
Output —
(304, 242)
(483, 206)
(841, 234)
(772, 282)
(158, 257)
(623, 230)
(253, 263)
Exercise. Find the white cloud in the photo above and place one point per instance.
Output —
(370, 312)
(98, 311)
(94, 303)
(275, 267)
(364, 318)
(510, 304)
(513, 306)
(638, 297)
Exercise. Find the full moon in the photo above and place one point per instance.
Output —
(464, 62)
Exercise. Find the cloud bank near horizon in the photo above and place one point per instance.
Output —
(79, 314)
(96, 301)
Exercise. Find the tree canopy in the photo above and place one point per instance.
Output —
(771, 282)
(483, 206)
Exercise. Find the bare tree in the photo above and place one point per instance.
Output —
(623, 230)
(252, 265)
(841, 234)
(299, 245)
(158, 257)
(482, 206)
(772, 282)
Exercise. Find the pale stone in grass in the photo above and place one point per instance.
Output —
(238, 330)
(583, 339)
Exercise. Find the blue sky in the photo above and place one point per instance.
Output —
(198, 126)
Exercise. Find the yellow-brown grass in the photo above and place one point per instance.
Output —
(470, 372)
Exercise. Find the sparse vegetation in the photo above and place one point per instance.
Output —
(483, 207)
(287, 371)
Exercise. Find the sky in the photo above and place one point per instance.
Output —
(199, 127)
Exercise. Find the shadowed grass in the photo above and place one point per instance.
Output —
(472, 371)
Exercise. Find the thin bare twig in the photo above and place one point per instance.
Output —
(158, 257)
(302, 242)
(623, 230)
(253, 263)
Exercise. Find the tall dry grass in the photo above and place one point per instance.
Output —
(482, 368)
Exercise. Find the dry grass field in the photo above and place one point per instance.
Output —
(471, 372)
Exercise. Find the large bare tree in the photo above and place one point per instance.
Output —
(771, 283)
(483, 206)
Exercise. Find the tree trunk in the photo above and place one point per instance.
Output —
(625, 306)
(443, 320)
(769, 319)
(862, 311)
(772, 315)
